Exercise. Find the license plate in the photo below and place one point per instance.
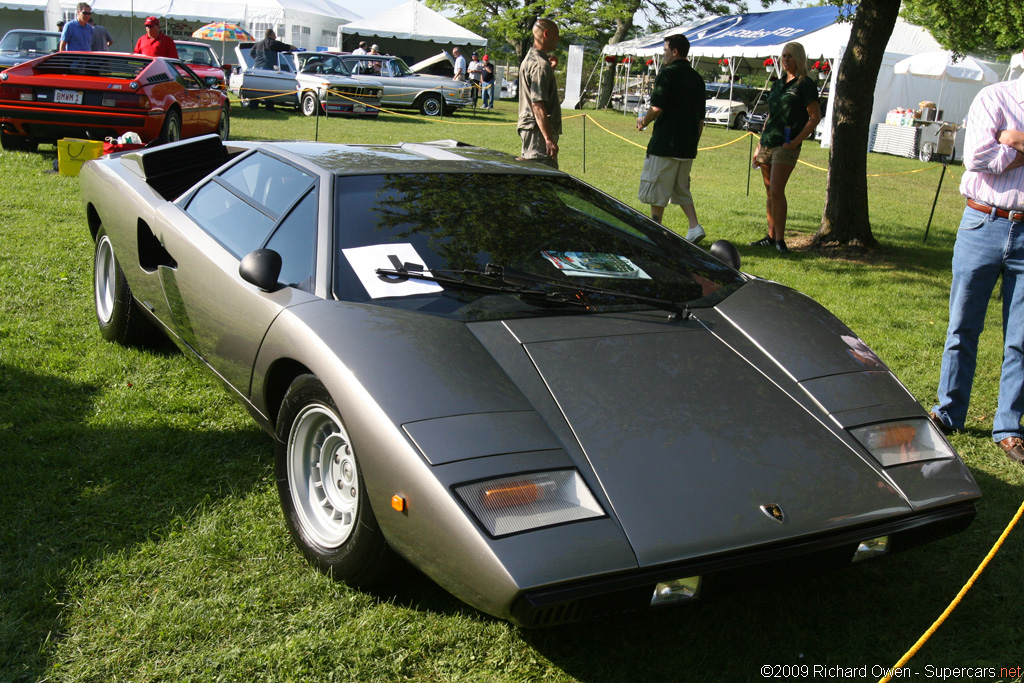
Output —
(67, 96)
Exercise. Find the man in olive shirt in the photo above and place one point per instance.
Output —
(677, 106)
(540, 111)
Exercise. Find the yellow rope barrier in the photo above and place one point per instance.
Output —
(956, 601)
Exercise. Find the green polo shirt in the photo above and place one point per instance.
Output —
(679, 93)
(787, 106)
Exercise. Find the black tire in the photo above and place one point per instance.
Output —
(740, 121)
(171, 131)
(431, 105)
(328, 516)
(17, 143)
(224, 126)
(120, 317)
(310, 103)
(250, 104)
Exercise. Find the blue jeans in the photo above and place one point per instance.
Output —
(488, 94)
(985, 247)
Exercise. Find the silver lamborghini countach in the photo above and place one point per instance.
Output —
(546, 402)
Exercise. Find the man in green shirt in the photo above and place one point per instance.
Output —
(677, 108)
(540, 112)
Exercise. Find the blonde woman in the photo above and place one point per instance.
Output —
(793, 114)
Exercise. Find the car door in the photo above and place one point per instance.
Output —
(200, 106)
(259, 202)
(364, 69)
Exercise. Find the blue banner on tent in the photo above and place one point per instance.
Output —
(760, 28)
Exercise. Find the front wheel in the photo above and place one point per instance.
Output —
(171, 131)
(224, 125)
(431, 105)
(741, 120)
(310, 103)
(323, 495)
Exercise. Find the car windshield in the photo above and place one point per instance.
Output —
(26, 41)
(201, 55)
(557, 245)
(400, 68)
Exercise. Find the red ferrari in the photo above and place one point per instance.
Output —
(97, 95)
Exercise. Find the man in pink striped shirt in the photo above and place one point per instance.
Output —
(989, 243)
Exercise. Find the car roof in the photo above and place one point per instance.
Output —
(34, 32)
(191, 42)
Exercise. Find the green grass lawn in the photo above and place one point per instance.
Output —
(141, 538)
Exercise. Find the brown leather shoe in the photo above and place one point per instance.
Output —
(937, 421)
(1013, 446)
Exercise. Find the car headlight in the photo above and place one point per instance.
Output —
(522, 502)
(902, 442)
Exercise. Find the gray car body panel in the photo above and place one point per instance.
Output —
(673, 424)
(406, 91)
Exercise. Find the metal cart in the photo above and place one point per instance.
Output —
(937, 140)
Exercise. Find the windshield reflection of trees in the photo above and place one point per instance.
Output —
(469, 220)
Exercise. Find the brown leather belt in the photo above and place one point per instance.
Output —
(1015, 216)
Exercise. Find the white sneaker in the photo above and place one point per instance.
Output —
(695, 234)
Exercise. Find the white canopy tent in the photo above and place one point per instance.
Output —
(747, 40)
(411, 30)
(304, 23)
(1016, 68)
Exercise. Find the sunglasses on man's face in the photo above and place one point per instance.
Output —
(84, 12)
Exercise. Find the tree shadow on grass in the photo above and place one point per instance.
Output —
(72, 492)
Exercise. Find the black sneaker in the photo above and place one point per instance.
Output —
(765, 241)
(781, 247)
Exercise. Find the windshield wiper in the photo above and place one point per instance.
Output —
(513, 281)
(405, 271)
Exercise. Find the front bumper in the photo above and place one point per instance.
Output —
(727, 572)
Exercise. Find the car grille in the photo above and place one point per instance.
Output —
(94, 64)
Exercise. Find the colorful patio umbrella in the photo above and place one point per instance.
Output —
(223, 31)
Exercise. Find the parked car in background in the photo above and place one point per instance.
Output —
(202, 59)
(546, 402)
(431, 95)
(732, 107)
(305, 80)
(20, 45)
(106, 94)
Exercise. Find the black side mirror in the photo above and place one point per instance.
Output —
(261, 268)
(726, 252)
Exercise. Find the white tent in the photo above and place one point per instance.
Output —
(411, 30)
(925, 68)
(1015, 68)
(305, 23)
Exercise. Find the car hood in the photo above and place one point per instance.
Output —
(430, 61)
(718, 102)
(690, 427)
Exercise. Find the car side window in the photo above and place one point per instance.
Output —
(186, 78)
(241, 206)
(295, 240)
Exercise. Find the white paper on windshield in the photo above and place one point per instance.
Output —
(366, 260)
(594, 264)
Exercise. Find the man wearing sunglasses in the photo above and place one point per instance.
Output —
(77, 35)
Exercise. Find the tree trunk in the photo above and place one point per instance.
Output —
(622, 29)
(845, 218)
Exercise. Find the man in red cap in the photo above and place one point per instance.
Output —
(155, 43)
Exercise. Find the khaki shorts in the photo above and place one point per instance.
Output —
(665, 178)
(535, 148)
(778, 155)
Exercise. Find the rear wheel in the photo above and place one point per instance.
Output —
(120, 319)
(323, 495)
(310, 103)
(171, 132)
(224, 126)
(249, 104)
(17, 143)
(431, 105)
